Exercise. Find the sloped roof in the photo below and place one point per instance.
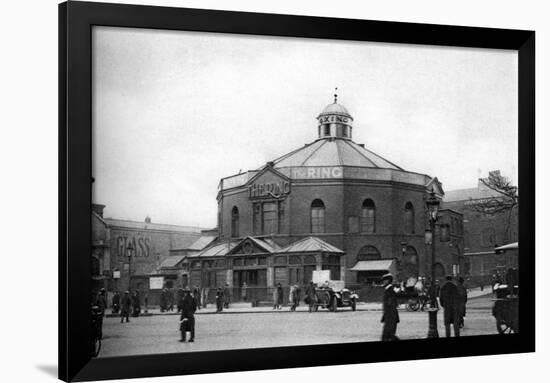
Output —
(171, 261)
(216, 250)
(202, 242)
(310, 244)
(334, 152)
(151, 226)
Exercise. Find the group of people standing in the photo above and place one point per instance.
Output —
(452, 297)
(223, 298)
(127, 305)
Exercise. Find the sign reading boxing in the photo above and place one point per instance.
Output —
(269, 189)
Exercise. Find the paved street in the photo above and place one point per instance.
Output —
(159, 333)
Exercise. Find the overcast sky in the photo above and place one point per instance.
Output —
(176, 111)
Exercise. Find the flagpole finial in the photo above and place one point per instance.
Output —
(335, 95)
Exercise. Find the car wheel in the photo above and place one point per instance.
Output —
(333, 304)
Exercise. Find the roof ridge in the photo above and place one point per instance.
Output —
(284, 156)
(313, 152)
(362, 154)
(382, 158)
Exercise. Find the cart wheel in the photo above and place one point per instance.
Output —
(96, 347)
(353, 305)
(413, 305)
(503, 327)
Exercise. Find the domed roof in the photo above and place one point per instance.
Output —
(335, 108)
(334, 152)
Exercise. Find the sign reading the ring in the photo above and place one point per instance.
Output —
(270, 189)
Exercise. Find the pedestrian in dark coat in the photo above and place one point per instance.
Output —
(180, 296)
(187, 318)
(125, 307)
(136, 304)
(116, 302)
(197, 297)
(448, 297)
(311, 296)
(101, 303)
(390, 316)
(219, 300)
(226, 296)
(294, 297)
(277, 297)
(462, 299)
(163, 300)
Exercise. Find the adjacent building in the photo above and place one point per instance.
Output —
(484, 231)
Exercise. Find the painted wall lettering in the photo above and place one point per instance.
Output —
(318, 173)
(141, 246)
(270, 189)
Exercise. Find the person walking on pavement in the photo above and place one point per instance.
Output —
(226, 296)
(125, 307)
(311, 296)
(291, 297)
(187, 318)
(136, 304)
(197, 297)
(101, 303)
(390, 316)
(116, 302)
(219, 300)
(462, 299)
(295, 297)
(448, 298)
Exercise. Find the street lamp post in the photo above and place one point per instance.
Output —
(432, 203)
(129, 254)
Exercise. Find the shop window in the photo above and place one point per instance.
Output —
(334, 271)
(310, 260)
(317, 216)
(409, 218)
(368, 216)
(235, 222)
(280, 260)
(262, 261)
(294, 260)
(220, 263)
(250, 261)
(195, 265)
(368, 253)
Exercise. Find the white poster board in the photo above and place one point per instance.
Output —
(156, 283)
(320, 276)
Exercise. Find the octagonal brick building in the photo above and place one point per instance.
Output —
(331, 204)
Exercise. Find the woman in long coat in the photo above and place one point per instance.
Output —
(125, 307)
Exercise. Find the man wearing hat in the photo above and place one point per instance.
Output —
(390, 317)
(448, 297)
(102, 305)
(187, 318)
(125, 307)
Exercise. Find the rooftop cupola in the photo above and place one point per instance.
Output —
(335, 121)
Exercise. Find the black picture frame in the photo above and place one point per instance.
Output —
(75, 176)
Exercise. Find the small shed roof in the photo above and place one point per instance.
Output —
(311, 244)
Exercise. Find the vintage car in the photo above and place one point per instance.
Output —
(505, 309)
(333, 294)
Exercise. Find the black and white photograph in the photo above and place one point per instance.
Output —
(258, 191)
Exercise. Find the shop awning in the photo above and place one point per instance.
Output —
(510, 246)
(374, 265)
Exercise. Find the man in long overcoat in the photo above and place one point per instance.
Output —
(125, 307)
(219, 300)
(311, 296)
(187, 318)
(462, 299)
(116, 302)
(390, 316)
(226, 296)
(102, 304)
(448, 297)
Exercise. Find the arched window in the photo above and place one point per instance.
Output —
(409, 218)
(317, 216)
(368, 217)
(368, 253)
(235, 222)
